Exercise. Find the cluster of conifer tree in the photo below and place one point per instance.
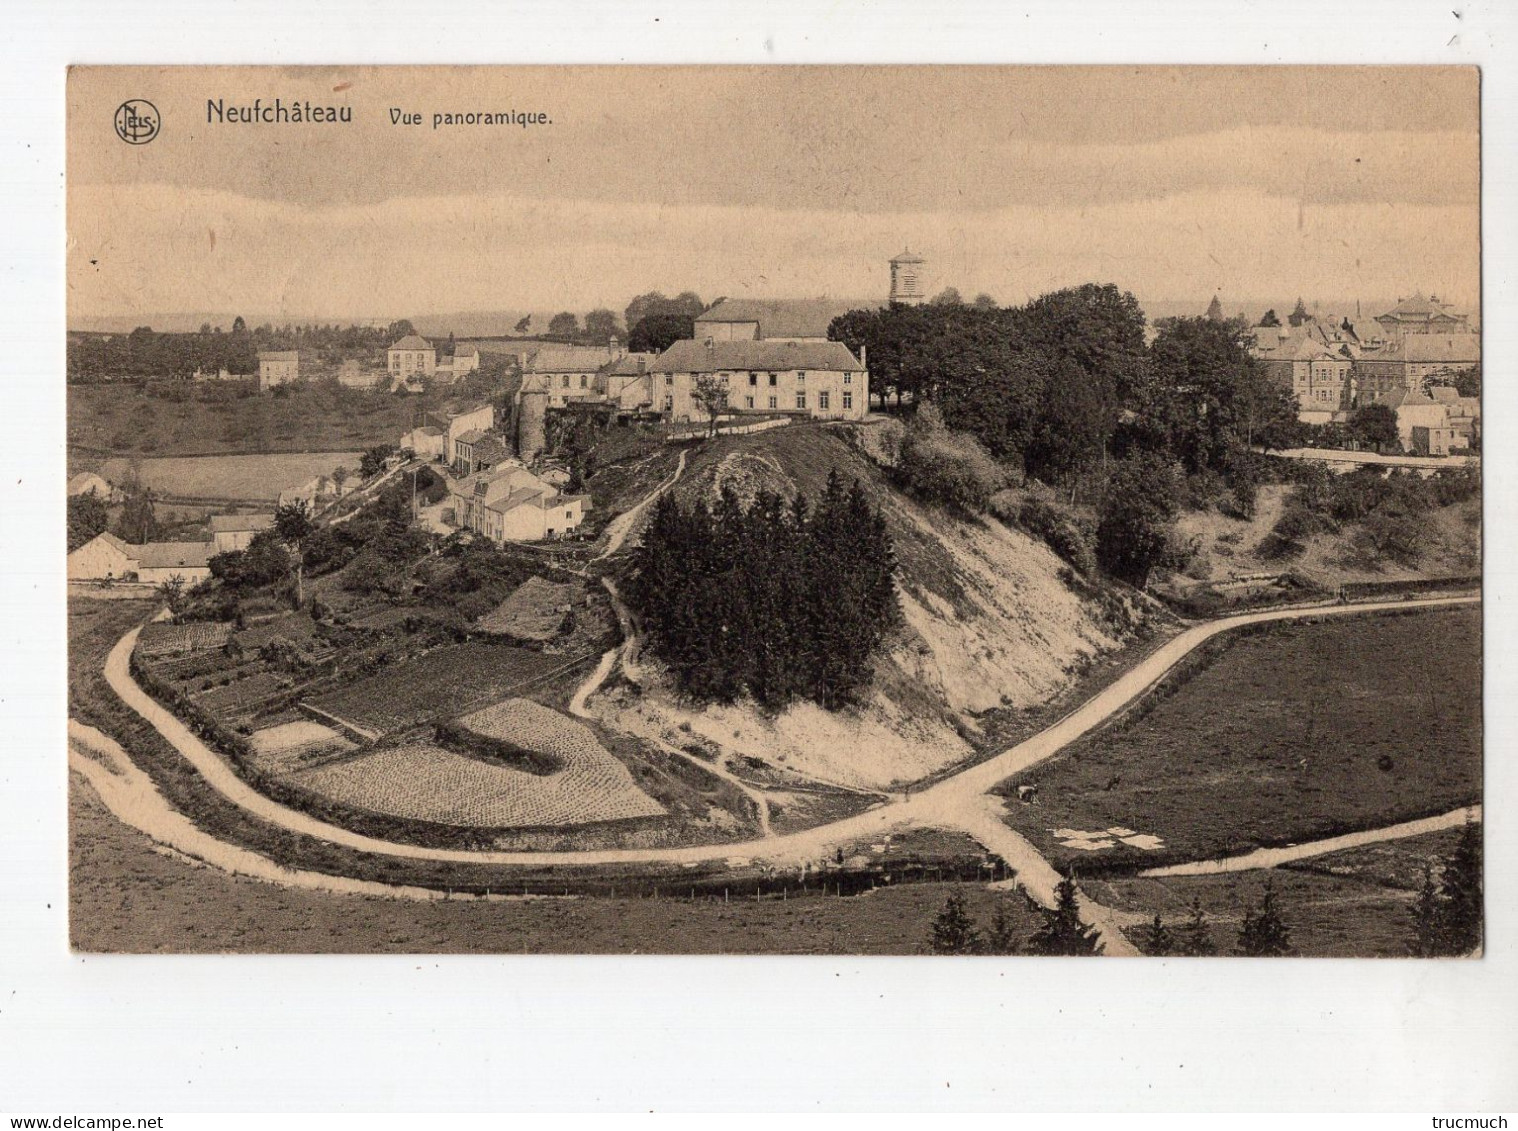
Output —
(774, 600)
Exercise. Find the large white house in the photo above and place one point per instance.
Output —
(820, 379)
(412, 356)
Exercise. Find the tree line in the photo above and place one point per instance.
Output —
(773, 600)
(146, 352)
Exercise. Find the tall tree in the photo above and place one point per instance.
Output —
(1063, 932)
(1195, 936)
(601, 326)
(655, 333)
(953, 931)
(88, 517)
(292, 522)
(1156, 940)
(1133, 533)
(1262, 933)
(709, 391)
(1460, 892)
(949, 296)
(564, 325)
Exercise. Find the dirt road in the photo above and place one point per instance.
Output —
(956, 803)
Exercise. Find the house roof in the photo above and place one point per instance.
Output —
(907, 257)
(114, 542)
(490, 449)
(465, 349)
(568, 359)
(785, 317)
(230, 523)
(630, 365)
(87, 481)
(1417, 309)
(167, 555)
(412, 342)
(698, 357)
(473, 436)
(1454, 349)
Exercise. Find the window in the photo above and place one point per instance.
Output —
(566, 380)
(748, 402)
(800, 400)
(669, 378)
(848, 378)
(773, 378)
(753, 378)
(583, 379)
(848, 400)
(822, 400)
(570, 515)
(773, 403)
(801, 375)
(669, 402)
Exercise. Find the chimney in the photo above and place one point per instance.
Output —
(864, 357)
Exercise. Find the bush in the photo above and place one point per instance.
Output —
(1065, 531)
(949, 469)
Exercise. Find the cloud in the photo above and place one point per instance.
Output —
(165, 248)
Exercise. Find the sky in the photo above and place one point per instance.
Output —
(1175, 183)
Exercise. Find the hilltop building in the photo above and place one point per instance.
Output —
(822, 380)
(278, 367)
(412, 356)
(1419, 315)
(907, 279)
(774, 320)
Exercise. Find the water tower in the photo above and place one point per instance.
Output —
(906, 279)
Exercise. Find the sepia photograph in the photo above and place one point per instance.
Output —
(758, 510)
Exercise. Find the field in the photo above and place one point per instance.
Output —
(243, 478)
(126, 896)
(425, 782)
(444, 682)
(1300, 732)
(1351, 904)
(125, 420)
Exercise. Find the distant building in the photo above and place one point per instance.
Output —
(472, 418)
(510, 504)
(1404, 363)
(1419, 315)
(87, 482)
(774, 320)
(278, 367)
(819, 379)
(476, 450)
(567, 373)
(107, 558)
(235, 531)
(103, 558)
(158, 562)
(412, 356)
(465, 359)
(907, 279)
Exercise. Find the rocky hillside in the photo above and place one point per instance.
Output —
(988, 623)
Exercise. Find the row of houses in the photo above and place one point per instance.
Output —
(109, 558)
(407, 362)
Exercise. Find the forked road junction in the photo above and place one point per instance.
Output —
(960, 802)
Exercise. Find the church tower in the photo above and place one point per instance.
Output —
(906, 279)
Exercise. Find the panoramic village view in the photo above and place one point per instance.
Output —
(717, 615)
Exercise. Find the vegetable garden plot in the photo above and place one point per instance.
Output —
(425, 782)
(438, 685)
(177, 639)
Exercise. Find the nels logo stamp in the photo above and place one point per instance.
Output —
(137, 121)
